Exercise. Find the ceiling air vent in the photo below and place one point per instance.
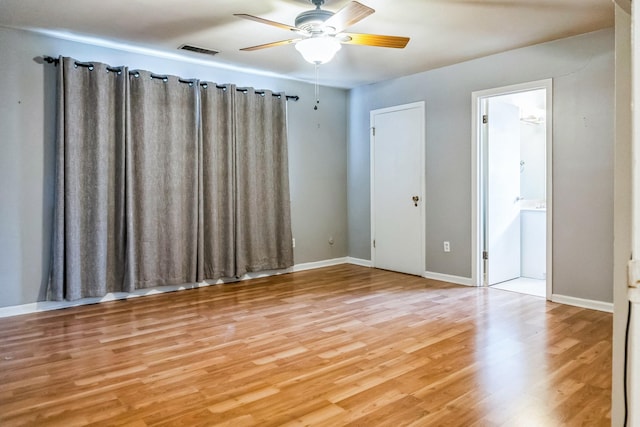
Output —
(198, 50)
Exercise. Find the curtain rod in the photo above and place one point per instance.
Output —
(56, 61)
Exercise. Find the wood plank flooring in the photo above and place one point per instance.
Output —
(343, 345)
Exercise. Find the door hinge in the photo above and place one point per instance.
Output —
(374, 243)
(634, 273)
(485, 119)
(373, 129)
(485, 255)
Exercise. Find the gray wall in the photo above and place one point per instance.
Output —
(582, 69)
(317, 147)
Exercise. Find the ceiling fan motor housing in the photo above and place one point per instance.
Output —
(313, 20)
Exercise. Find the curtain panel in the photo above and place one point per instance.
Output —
(218, 204)
(89, 226)
(263, 230)
(162, 156)
(162, 181)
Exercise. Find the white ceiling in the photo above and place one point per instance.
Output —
(442, 32)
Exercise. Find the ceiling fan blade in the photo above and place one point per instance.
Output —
(347, 16)
(266, 21)
(266, 45)
(373, 40)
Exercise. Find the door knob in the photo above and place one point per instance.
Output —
(415, 200)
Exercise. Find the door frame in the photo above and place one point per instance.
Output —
(420, 105)
(477, 232)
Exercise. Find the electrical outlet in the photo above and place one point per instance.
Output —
(447, 247)
(294, 242)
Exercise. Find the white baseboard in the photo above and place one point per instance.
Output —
(36, 307)
(466, 281)
(584, 303)
(113, 296)
(319, 264)
(358, 261)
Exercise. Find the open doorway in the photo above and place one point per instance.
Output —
(513, 182)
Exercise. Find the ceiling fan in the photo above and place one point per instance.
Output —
(321, 32)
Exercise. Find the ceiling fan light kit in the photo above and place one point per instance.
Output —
(321, 32)
(318, 50)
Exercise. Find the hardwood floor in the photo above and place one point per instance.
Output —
(343, 345)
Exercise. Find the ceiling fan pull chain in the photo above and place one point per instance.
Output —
(317, 88)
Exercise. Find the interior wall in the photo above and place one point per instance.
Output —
(317, 154)
(582, 69)
(533, 153)
(622, 206)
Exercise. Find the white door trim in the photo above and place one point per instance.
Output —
(476, 158)
(421, 106)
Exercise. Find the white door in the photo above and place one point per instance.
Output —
(397, 176)
(503, 192)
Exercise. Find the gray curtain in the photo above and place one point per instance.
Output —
(88, 240)
(263, 219)
(161, 181)
(162, 158)
(218, 205)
